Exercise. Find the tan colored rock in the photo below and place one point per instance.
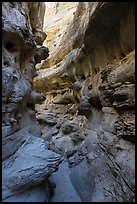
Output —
(88, 34)
(94, 48)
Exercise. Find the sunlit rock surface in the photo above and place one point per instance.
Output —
(68, 102)
(89, 83)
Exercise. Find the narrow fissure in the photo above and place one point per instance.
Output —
(68, 102)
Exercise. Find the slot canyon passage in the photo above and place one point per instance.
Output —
(68, 102)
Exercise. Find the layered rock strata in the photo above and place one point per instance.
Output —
(26, 161)
(89, 83)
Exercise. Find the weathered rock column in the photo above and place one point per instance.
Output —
(27, 162)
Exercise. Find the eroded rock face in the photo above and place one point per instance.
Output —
(27, 162)
(89, 81)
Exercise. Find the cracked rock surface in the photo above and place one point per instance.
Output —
(27, 163)
(89, 83)
(72, 139)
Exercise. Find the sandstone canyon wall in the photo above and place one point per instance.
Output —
(77, 132)
(26, 160)
(89, 83)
